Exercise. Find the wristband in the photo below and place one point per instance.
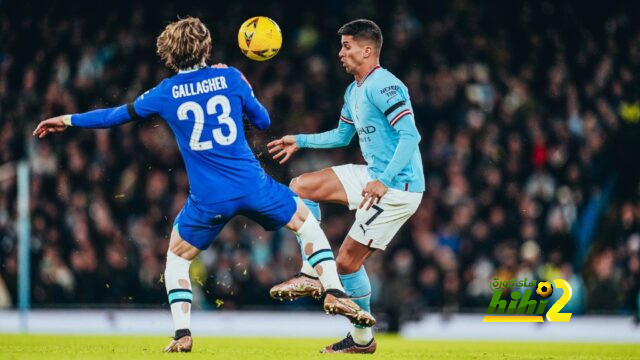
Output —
(66, 119)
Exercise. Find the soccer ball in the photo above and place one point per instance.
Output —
(259, 38)
(544, 289)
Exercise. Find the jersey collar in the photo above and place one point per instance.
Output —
(191, 69)
(369, 73)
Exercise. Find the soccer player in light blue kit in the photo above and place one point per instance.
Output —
(385, 192)
(204, 107)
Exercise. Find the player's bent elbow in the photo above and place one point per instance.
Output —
(262, 123)
(344, 141)
(413, 138)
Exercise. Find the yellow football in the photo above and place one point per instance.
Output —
(544, 289)
(259, 38)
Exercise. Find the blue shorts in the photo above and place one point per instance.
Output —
(272, 205)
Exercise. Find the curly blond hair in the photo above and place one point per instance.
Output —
(184, 44)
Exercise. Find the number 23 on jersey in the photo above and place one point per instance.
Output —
(198, 114)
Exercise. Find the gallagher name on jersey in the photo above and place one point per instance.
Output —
(200, 87)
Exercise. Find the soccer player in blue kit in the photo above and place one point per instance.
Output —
(204, 108)
(385, 192)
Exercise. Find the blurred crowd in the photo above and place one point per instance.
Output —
(529, 114)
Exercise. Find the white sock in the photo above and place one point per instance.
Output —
(316, 246)
(178, 283)
(307, 269)
(361, 335)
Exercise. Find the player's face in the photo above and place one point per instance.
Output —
(352, 54)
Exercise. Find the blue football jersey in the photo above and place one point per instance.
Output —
(204, 109)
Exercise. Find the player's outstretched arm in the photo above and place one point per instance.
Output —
(286, 146)
(338, 137)
(96, 119)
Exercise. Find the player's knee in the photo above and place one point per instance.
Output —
(345, 264)
(298, 187)
(293, 185)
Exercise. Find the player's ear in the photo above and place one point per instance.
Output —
(368, 51)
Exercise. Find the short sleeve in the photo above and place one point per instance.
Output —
(391, 97)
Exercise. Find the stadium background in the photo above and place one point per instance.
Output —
(528, 113)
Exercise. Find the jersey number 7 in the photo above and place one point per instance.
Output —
(198, 114)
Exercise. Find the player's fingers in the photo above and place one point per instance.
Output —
(274, 143)
(284, 160)
(38, 129)
(280, 154)
(364, 199)
(372, 201)
(274, 148)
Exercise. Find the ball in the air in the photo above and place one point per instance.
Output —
(259, 38)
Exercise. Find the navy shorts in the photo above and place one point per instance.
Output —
(272, 206)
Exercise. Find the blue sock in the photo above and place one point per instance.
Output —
(314, 207)
(358, 287)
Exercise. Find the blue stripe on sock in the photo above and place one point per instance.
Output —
(321, 258)
(176, 295)
(320, 255)
(321, 261)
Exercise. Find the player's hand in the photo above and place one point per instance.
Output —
(53, 125)
(219, 66)
(372, 193)
(283, 148)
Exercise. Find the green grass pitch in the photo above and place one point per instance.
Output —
(389, 347)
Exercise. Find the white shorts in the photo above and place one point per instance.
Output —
(377, 226)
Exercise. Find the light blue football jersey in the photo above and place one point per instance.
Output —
(374, 107)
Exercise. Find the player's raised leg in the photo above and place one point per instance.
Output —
(318, 186)
(178, 284)
(306, 281)
(318, 251)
